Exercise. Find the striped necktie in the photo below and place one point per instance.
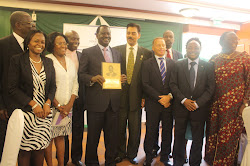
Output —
(162, 70)
(130, 65)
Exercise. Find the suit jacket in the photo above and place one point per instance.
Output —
(152, 83)
(176, 55)
(20, 80)
(97, 99)
(135, 88)
(8, 47)
(202, 93)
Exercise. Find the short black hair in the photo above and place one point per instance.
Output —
(51, 40)
(30, 36)
(195, 39)
(135, 25)
(98, 29)
(223, 36)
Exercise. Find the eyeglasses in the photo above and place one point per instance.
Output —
(61, 44)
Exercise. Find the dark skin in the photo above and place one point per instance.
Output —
(22, 27)
(193, 51)
(104, 37)
(229, 45)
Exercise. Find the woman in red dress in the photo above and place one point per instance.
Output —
(225, 124)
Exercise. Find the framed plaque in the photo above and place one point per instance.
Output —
(112, 75)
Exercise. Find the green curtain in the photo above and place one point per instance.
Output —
(51, 21)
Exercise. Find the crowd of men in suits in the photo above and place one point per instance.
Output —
(167, 88)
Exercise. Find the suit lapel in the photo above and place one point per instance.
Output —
(137, 65)
(186, 70)
(199, 73)
(27, 67)
(15, 44)
(156, 68)
(98, 53)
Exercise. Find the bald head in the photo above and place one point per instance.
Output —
(21, 23)
(74, 40)
(169, 38)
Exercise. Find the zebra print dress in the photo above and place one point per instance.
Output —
(37, 131)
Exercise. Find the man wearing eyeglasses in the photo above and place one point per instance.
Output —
(21, 23)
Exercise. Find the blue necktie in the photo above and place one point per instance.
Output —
(162, 70)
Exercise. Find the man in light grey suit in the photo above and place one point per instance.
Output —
(132, 57)
(102, 104)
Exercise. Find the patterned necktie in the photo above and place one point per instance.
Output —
(192, 75)
(130, 65)
(106, 57)
(168, 54)
(162, 70)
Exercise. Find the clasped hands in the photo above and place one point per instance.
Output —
(64, 110)
(190, 104)
(100, 79)
(42, 112)
(165, 100)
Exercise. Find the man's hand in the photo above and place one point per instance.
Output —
(4, 115)
(98, 78)
(123, 78)
(142, 103)
(165, 100)
(190, 105)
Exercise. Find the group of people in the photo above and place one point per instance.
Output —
(52, 91)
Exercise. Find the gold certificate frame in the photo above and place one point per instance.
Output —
(112, 75)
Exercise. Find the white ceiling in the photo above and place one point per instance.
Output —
(227, 10)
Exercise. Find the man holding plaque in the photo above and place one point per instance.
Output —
(102, 104)
(132, 57)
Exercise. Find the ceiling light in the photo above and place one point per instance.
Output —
(189, 12)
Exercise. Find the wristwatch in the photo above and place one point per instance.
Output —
(58, 105)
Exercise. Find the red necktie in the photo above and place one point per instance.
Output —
(168, 54)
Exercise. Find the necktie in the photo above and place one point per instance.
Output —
(162, 70)
(168, 54)
(130, 65)
(192, 75)
(106, 57)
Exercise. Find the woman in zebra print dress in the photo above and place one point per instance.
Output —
(66, 92)
(32, 88)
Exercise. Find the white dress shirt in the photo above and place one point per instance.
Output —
(19, 39)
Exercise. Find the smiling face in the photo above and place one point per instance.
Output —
(193, 50)
(159, 47)
(74, 41)
(132, 35)
(60, 46)
(37, 44)
(104, 36)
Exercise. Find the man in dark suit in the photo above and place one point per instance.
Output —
(131, 97)
(156, 73)
(21, 24)
(102, 104)
(78, 108)
(192, 84)
(169, 40)
(171, 54)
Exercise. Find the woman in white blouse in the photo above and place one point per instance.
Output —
(66, 92)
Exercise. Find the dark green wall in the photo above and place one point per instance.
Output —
(50, 21)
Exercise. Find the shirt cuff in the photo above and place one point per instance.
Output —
(91, 83)
(183, 100)
(170, 94)
(196, 105)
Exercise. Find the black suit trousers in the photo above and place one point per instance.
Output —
(197, 129)
(98, 121)
(133, 120)
(153, 118)
(77, 135)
